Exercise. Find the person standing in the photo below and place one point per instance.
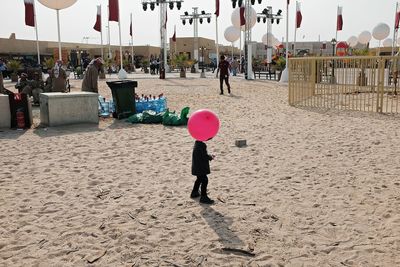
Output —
(234, 66)
(200, 168)
(223, 70)
(59, 82)
(89, 83)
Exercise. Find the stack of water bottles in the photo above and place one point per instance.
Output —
(154, 103)
(106, 108)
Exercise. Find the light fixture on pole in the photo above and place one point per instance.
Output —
(163, 23)
(193, 19)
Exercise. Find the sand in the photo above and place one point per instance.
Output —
(312, 188)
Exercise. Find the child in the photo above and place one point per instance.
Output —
(200, 168)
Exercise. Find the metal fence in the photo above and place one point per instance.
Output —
(346, 83)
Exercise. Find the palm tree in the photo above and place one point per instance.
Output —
(14, 66)
(182, 62)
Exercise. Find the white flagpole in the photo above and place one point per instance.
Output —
(101, 35)
(216, 39)
(59, 35)
(120, 39)
(109, 37)
(285, 73)
(240, 51)
(394, 29)
(132, 42)
(36, 30)
(295, 31)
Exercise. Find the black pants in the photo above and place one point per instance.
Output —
(203, 181)
(223, 78)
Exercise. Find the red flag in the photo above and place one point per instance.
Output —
(29, 13)
(242, 18)
(288, 2)
(113, 8)
(397, 22)
(97, 26)
(217, 8)
(130, 28)
(299, 17)
(166, 19)
(174, 36)
(339, 21)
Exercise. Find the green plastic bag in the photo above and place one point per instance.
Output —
(173, 119)
(150, 116)
(135, 118)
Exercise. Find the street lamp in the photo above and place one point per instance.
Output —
(202, 49)
(193, 19)
(333, 43)
(268, 17)
(163, 22)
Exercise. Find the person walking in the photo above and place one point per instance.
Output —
(223, 70)
(89, 83)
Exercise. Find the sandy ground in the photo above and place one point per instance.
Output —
(312, 188)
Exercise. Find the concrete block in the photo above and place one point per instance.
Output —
(240, 143)
(5, 115)
(58, 109)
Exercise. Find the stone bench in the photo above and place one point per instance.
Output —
(58, 109)
(5, 115)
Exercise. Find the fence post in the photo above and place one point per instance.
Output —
(290, 81)
(380, 87)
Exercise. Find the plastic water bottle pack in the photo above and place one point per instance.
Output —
(157, 104)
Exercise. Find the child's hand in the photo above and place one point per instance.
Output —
(213, 156)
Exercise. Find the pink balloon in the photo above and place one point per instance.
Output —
(203, 125)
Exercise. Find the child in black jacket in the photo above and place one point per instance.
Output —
(200, 168)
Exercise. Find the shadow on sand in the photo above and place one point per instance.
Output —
(221, 224)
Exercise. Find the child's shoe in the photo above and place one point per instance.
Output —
(206, 200)
(194, 194)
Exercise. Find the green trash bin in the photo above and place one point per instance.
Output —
(123, 93)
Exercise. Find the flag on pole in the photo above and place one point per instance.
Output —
(29, 13)
(217, 8)
(97, 26)
(113, 8)
(299, 17)
(166, 19)
(174, 36)
(242, 18)
(288, 2)
(339, 22)
(397, 22)
(130, 29)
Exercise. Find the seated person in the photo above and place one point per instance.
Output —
(60, 78)
(49, 82)
(34, 88)
(22, 83)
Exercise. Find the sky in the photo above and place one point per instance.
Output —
(77, 21)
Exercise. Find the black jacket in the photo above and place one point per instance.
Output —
(200, 159)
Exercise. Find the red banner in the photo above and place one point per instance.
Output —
(29, 13)
(217, 8)
(97, 26)
(113, 10)
(242, 18)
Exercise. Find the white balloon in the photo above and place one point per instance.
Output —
(268, 39)
(352, 41)
(235, 18)
(388, 42)
(57, 4)
(381, 31)
(364, 37)
(232, 34)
